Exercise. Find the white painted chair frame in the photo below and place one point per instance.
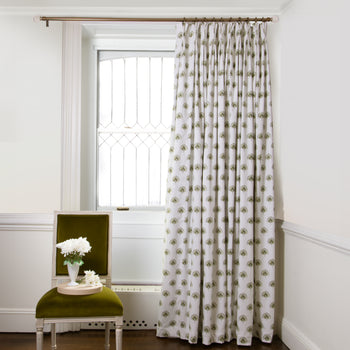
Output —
(117, 320)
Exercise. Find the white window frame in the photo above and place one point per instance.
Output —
(122, 37)
(124, 54)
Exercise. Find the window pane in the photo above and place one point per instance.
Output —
(156, 89)
(104, 175)
(143, 91)
(105, 93)
(130, 91)
(118, 92)
(135, 110)
(167, 91)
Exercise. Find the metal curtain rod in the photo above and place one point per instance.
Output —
(126, 19)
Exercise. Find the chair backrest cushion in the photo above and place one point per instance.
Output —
(96, 229)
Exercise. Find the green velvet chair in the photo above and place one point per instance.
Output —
(104, 306)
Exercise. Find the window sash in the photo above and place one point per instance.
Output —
(133, 145)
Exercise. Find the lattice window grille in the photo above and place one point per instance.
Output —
(135, 110)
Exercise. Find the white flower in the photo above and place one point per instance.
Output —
(91, 278)
(79, 246)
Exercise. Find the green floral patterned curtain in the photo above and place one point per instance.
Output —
(218, 277)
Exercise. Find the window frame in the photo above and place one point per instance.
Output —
(125, 54)
(121, 37)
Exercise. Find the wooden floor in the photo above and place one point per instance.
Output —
(132, 340)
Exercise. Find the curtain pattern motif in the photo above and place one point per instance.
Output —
(218, 277)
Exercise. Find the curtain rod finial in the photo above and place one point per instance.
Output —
(275, 19)
(36, 19)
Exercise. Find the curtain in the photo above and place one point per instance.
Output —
(218, 276)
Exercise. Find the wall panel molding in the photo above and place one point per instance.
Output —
(338, 243)
(26, 222)
(14, 311)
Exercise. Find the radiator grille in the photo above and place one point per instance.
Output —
(140, 307)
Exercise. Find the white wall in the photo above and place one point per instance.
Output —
(313, 116)
(313, 171)
(30, 132)
(30, 112)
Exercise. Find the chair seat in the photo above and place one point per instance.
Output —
(56, 305)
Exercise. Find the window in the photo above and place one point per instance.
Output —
(135, 94)
(127, 100)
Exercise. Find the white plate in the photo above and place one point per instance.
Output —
(80, 289)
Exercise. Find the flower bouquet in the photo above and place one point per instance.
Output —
(73, 250)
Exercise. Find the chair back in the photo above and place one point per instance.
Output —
(97, 228)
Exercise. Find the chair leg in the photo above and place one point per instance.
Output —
(53, 336)
(107, 332)
(39, 333)
(118, 337)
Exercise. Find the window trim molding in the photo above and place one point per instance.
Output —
(71, 116)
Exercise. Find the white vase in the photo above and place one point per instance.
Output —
(73, 271)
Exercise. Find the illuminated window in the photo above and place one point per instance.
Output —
(135, 100)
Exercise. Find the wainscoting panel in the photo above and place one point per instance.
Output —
(313, 288)
(25, 269)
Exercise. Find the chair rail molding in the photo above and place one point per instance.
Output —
(26, 222)
(71, 115)
(15, 311)
(338, 243)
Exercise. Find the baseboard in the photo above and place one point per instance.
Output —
(17, 320)
(294, 338)
(23, 321)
